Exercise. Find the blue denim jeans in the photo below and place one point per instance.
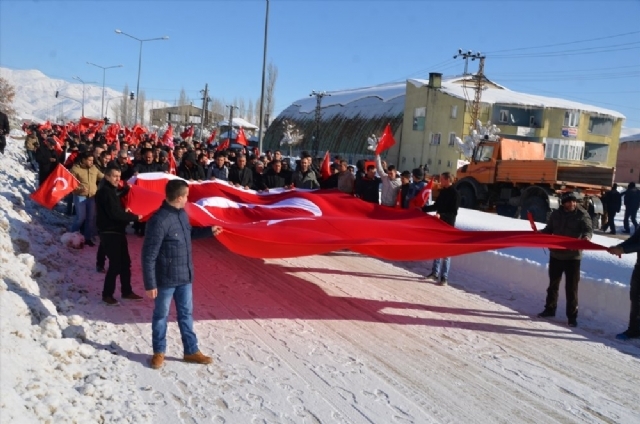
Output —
(445, 267)
(85, 213)
(183, 298)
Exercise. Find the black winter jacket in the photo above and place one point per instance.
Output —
(368, 189)
(196, 172)
(273, 180)
(110, 215)
(446, 205)
(167, 257)
(243, 176)
(576, 224)
(632, 244)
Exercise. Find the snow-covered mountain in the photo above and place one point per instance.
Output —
(36, 97)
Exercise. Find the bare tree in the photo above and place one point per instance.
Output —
(269, 99)
(250, 111)
(125, 110)
(141, 99)
(217, 107)
(183, 105)
(7, 94)
(242, 110)
(256, 111)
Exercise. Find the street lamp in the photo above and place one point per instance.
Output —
(83, 83)
(264, 63)
(104, 71)
(139, 62)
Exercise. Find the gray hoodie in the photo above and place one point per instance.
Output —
(390, 188)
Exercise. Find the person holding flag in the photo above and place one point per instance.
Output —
(390, 183)
(446, 208)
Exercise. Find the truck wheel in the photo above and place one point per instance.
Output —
(538, 208)
(467, 197)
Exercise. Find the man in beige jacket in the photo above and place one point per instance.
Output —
(84, 196)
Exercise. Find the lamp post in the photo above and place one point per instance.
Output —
(83, 83)
(104, 71)
(140, 63)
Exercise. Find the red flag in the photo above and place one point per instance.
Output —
(326, 220)
(386, 141)
(212, 136)
(172, 163)
(241, 138)
(112, 133)
(57, 185)
(167, 137)
(45, 127)
(532, 221)
(58, 146)
(224, 145)
(187, 133)
(325, 168)
(422, 197)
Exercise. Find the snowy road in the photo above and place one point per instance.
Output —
(346, 338)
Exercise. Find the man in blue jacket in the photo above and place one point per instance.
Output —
(630, 245)
(167, 271)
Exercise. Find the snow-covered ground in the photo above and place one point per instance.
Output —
(331, 338)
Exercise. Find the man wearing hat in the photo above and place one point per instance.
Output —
(569, 220)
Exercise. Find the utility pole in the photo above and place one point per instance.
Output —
(264, 64)
(231, 107)
(205, 107)
(478, 78)
(316, 137)
(475, 110)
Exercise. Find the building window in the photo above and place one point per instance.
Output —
(439, 161)
(533, 123)
(454, 112)
(452, 139)
(429, 161)
(600, 126)
(504, 116)
(435, 139)
(419, 114)
(571, 119)
(448, 164)
(631, 171)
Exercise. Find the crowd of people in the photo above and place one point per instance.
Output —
(100, 168)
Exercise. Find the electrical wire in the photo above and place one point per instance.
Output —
(564, 44)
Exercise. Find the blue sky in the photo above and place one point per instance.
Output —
(331, 45)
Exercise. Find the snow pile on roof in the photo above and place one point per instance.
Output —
(629, 134)
(457, 88)
(36, 97)
(238, 123)
(385, 92)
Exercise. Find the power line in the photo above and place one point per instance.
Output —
(564, 44)
(592, 50)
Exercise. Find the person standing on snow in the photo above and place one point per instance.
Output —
(167, 271)
(569, 220)
(4, 131)
(446, 207)
(630, 245)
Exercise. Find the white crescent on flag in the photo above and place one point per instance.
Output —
(65, 184)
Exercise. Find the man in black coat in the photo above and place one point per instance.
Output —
(112, 220)
(612, 202)
(190, 169)
(47, 159)
(240, 174)
(630, 245)
(446, 208)
(275, 177)
(631, 205)
(569, 220)
(367, 188)
(4, 131)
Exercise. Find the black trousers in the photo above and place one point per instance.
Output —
(3, 143)
(630, 214)
(634, 315)
(611, 216)
(101, 257)
(571, 270)
(117, 250)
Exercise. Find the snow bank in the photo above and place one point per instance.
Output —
(51, 370)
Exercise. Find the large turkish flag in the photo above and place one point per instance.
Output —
(57, 185)
(289, 223)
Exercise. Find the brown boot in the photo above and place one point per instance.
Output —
(198, 358)
(157, 360)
